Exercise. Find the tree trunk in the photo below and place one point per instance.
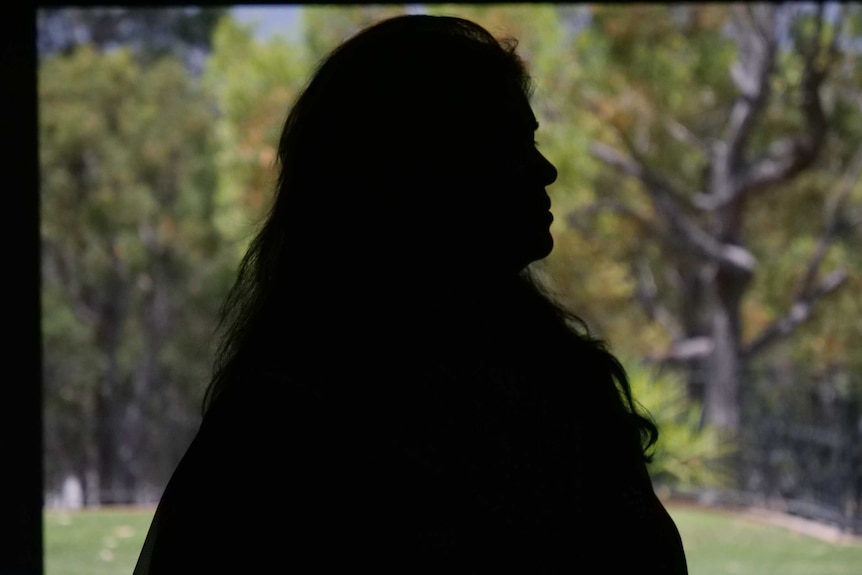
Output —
(137, 412)
(721, 406)
(695, 319)
(107, 431)
(723, 380)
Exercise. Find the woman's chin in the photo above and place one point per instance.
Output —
(545, 246)
(538, 250)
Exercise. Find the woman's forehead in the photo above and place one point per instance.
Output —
(517, 113)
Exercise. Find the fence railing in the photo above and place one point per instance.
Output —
(814, 471)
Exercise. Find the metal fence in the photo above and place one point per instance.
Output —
(814, 471)
(801, 447)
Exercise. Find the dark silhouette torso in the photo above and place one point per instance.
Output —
(461, 457)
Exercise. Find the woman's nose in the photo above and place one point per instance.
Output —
(547, 170)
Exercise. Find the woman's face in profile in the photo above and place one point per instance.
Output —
(502, 206)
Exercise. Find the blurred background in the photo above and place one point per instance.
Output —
(708, 225)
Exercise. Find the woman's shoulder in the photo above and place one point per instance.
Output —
(254, 459)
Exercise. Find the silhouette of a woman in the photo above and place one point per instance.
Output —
(394, 390)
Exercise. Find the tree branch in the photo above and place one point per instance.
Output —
(808, 292)
(682, 231)
(685, 350)
(799, 312)
(833, 211)
(576, 218)
(658, 183)
(787, 157)
(682, 134)
(750, 73)
(646, 293)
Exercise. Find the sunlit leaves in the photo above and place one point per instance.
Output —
(686, 456)
(253, 84)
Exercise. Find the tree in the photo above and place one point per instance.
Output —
(252, 84)
(153, 181)
(150, 33)
(131, 270)
(711, 114)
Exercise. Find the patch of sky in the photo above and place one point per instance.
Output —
(271, 20)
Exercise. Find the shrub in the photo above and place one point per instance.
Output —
(687, 455)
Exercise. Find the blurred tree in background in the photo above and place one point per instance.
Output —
(707, 206)
(132, 272)
(728, 198)
(150, 33)
(253, 84)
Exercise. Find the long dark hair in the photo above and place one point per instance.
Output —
(362, 150)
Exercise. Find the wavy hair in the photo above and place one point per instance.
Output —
(366, 144)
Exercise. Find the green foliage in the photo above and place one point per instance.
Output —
(650, 65)
(253, 84)
(132, 265)
(151, 32)
(687, 455)
(656, 81)
(153, 181)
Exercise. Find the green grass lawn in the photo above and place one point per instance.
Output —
(718, 544)
(107, 542)
(99, 542)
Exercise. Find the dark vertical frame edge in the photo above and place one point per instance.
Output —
(21, 539)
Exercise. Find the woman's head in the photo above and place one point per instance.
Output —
(407, 169)
(412, 148)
